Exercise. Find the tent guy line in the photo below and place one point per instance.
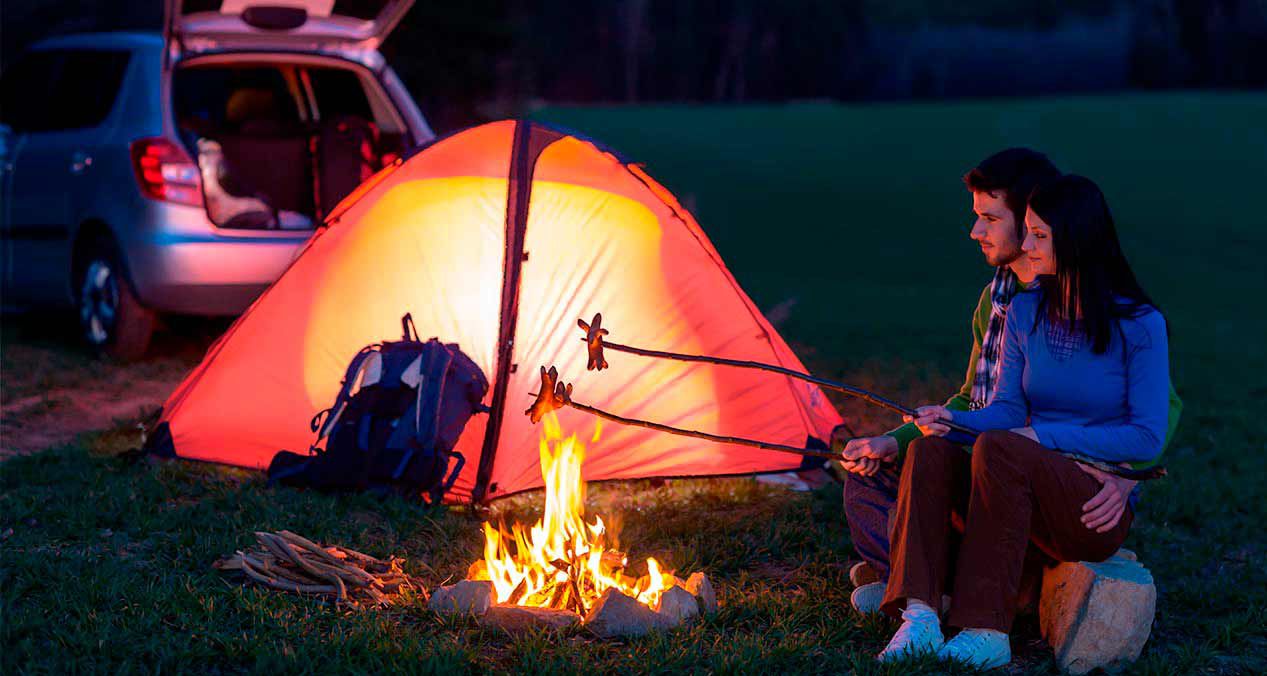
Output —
(594, 339)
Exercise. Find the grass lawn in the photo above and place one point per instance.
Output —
(853, 218)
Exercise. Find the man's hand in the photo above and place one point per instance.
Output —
(926, 419)
(865, 456)
(883, 448)
(1103, 511)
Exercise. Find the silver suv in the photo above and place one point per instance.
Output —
(180, 173)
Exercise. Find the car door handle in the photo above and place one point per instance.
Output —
(79, 162)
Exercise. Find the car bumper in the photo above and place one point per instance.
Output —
(188, 266)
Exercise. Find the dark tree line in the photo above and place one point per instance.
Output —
(482, 58)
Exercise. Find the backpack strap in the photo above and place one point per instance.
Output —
(407, 327)
(349, 378)
(424, 419)
(437, 493)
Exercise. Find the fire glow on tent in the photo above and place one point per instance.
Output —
(497, 239)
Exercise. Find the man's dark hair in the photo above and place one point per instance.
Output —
(1015, 171)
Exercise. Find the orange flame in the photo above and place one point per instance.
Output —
(562, 561)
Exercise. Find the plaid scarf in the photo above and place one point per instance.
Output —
(1002, 289)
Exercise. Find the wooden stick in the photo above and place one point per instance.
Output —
(595, 339)
(364, 558)
(310, 546)
(285, 585)
(856, 392)
(304, 564)
(764, 445)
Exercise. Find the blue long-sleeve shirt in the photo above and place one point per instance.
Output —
(1110, 406)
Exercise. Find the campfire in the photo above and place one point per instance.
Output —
(563, 561)
(566, 567)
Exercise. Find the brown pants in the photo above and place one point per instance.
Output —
(1009, 492)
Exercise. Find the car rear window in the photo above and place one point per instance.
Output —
(63, 89)
(339, 92)
(213, 99)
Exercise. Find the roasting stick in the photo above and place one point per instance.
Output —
(594, 339)
(594, 333)
(555, 395)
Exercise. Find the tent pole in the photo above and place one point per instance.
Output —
(529, 141)
(518, 188)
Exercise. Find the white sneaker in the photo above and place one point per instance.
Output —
(980, 648)
(920, 634)
(867, 598)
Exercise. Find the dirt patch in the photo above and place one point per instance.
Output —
(56, 417)
(52, 389)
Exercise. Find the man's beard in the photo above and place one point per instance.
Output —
(999, 260)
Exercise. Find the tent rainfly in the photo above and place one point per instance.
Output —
(498, 238)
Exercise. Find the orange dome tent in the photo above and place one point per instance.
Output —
(498, 238)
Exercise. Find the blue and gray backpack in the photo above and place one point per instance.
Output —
(394, 423)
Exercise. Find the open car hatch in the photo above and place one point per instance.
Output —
(213, 25)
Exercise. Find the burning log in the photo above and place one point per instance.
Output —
(292, 563)
(521, 619)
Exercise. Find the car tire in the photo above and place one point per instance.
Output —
(111, 319)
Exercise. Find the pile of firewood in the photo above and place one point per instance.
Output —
(292, 563)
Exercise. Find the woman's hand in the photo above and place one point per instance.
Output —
(1103, 511)
(926, 419)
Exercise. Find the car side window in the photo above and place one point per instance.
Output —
(25, 89)
(52, 90)
(89, 86)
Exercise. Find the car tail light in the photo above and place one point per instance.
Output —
(165, 172)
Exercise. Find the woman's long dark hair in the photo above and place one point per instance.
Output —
(1091, 271)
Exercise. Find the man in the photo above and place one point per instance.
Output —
(1000, 187)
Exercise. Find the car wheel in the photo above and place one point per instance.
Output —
(112, 320)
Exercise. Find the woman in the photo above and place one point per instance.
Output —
(1085, 368)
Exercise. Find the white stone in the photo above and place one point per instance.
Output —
(468, 597)
(677, 605)
(618, 614)
(699, 585)
(1097, 615)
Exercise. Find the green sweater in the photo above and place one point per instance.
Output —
(960, 400)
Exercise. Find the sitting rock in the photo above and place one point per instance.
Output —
(1097, 615)
(468, 597)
